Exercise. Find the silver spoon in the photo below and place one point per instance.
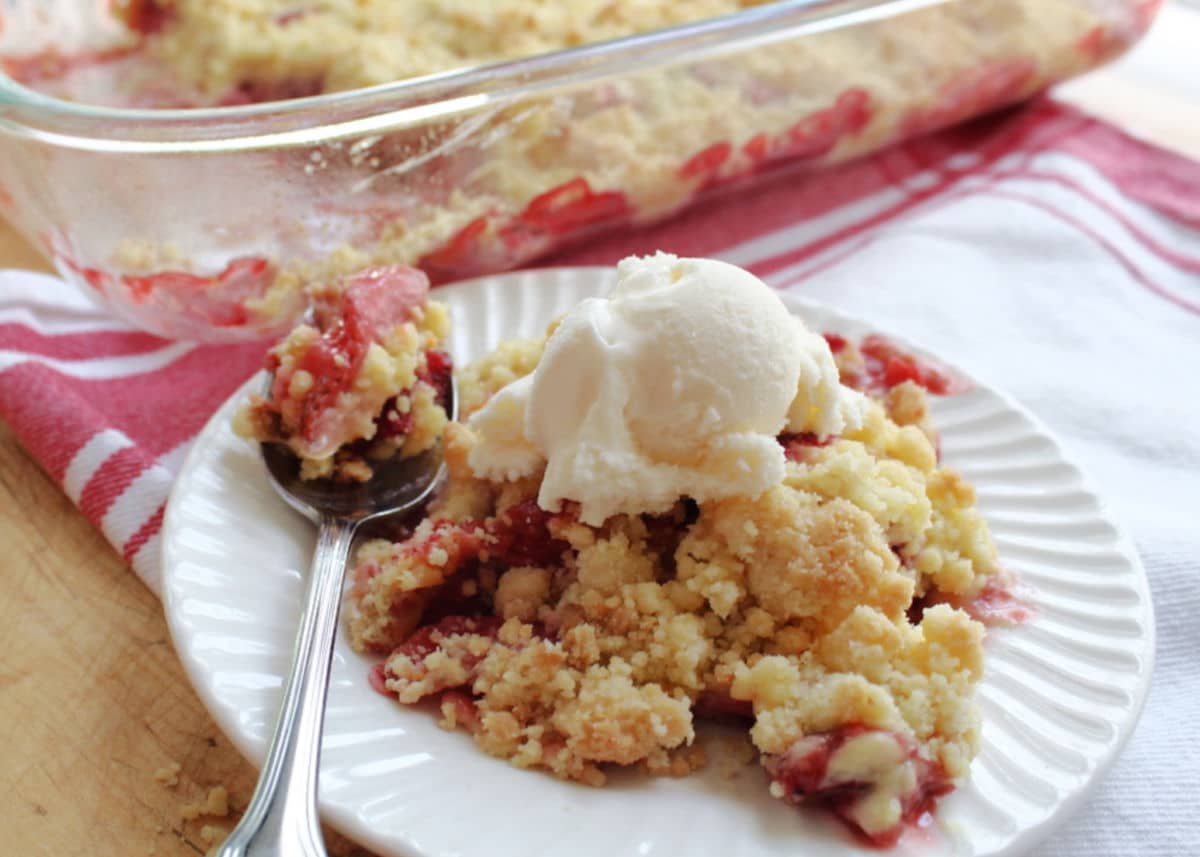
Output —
(281, 820)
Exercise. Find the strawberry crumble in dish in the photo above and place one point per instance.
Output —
(681, 504)
(641, 109)
(362, 380)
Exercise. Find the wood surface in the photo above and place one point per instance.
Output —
(93, 701)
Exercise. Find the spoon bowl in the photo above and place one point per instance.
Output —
(398, 484)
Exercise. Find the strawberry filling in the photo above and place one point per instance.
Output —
(706, 163)
(986, 87)
(836, 770)
(143, 16)
(999, 604)
(410, 656)
(836, 342)
(520, 536)
(373, 302)
(437, 372)
(794, 445)
(887, 366)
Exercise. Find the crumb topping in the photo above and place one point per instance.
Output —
(575, 648)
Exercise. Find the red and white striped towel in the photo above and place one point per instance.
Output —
(1042, 250)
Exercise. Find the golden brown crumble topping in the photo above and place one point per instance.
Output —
(575, 648)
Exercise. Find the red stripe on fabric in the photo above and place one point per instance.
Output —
(897, 165)
(144, 533)
(1027, 129)
(1049, 129)
(54, 414)
(725, 219)
(160, 409)
(840, 255)
(1165, 181)
(1024, 171)
(76, 346)
(774, 263)
(47, 415)
(1114, 251)
(1173, 257)
(1040, 122)
(110, 481)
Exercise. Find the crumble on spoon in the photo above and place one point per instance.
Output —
(362, 382)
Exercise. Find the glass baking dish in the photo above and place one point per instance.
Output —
(208, 223)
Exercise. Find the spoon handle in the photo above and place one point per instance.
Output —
(281, 820)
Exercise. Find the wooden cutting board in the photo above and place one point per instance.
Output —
(93, 702)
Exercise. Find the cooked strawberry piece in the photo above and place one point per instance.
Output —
(433, 638)
(377, 678)
(460, 709)
(990, 85)
(460, 595)
(333, 363)
(836, 341)
(259, 91)
(812, 136)
(888, 366)
(143, 16)
(520, 536)
(801, 769)
(854, 110)
(436, 372)
(246, 277)
(998, 604)
(391, 422)
(706, 163)
(795, 444)
(807, 773)
(758, 147)
(716, 703)
(424, 642)
(899, 369)
(458, 255)
(459, 541)
(372, 302)
(377, 299)
(879, 348)
(94, 277)
(818, 132)
(1145, 12)
(572, 205)
(220, 297)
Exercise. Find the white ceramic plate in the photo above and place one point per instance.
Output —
(1060, 696)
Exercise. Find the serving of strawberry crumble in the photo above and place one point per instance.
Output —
(363, 380)
(680, 504)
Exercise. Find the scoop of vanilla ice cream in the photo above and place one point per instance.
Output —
(675, 385)
(823, 405)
